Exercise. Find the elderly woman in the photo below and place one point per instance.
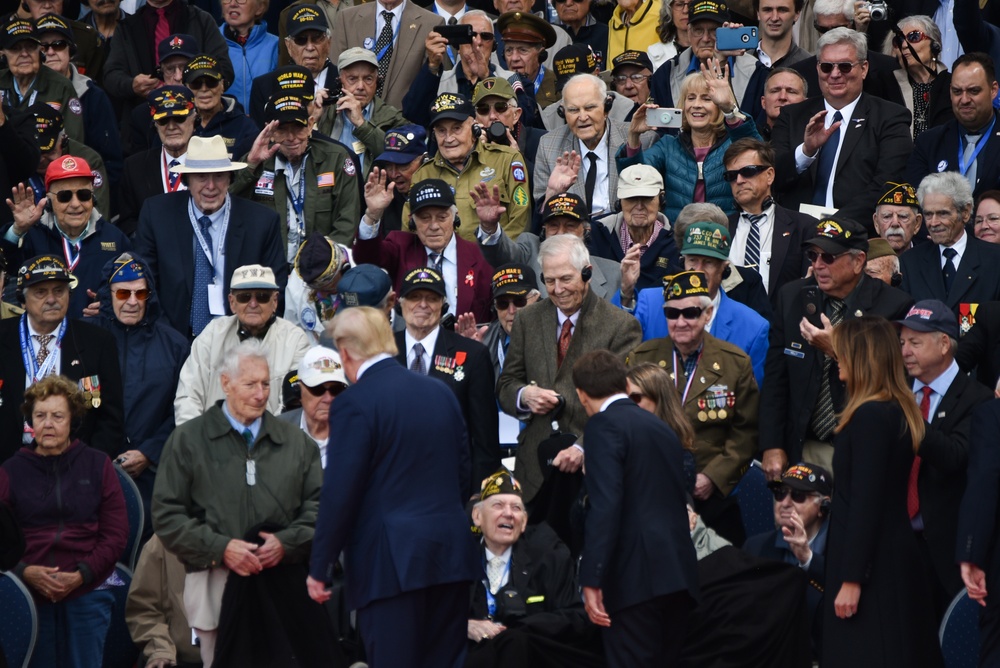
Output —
(68, 501)
(253, 50)
(218, 114)
(987, 220)
(691, 163)
(923, 80)
(672, 31)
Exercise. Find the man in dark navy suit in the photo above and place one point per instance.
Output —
(394, 503)
(635, 479)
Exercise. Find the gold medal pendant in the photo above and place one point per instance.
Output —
(712, 414)
(722, 414)
(703, 416)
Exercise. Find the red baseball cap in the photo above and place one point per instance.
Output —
(67, 167)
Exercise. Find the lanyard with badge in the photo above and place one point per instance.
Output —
(491, 600)
(963, 166)
(677, 367)
(298, 201)
(216, 302)
(538, 79)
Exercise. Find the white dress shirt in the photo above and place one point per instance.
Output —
(397, 16)
(449, 271)
(959, 246)
(738, 249)
(602, 203)
(802, 161)
(428, 342)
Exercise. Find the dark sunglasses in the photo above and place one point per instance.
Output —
(747, 172)
(123, 295)
(262, 296)
(58, 45)
(483, 108)
(828, 258)
(798, 496)
(305, 38)
(485, 36)
(163, 122)
(845, 68)
(333, 389)
(203, 82)
(637, 397)
(83, 194)
(503, 303)
(913, 37)
(689, 313)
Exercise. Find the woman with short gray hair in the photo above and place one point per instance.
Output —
(923, 79)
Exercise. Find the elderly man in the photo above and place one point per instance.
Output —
(767, 238)
(526, 598)
(882, 263)
(495, 101)
(433, 216)
(705, 249)
(837, 150)
(148, 173)
(403, 151)
(782, 87)
(525, 39)
(206, 500)
(310, 183)
(802, 392)
(463, 162)
(393, 502)
(192, 240)
(630, 75)
(565, 213)
(88, 47)
(897, 216)
(150, 354)
(218, 114)
(67, 224)
(580, 59)
(429, 349)
(253, 299)
(955, 268)
(311, 296)
(967, 144)
(536, 377)
(321, 377)
(24, 81)
(718, 392)
(947, 399)
(44, 341)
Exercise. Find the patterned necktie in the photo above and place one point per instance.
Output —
(436, 259)
(824, 417)
(43, 347)
(494, 571)
(418, 360)
(201, 315)
(452, 21)
(591, 180)
(912, 493)
(565, 337)
(824, 170)
(751, 257)
(174, 177)
(384, 42)
(248, 437)
(161, 31)
(949, 269)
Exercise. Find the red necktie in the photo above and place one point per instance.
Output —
(161, 31)
(565, 336)
(912, 496)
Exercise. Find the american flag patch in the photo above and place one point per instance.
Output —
(324, 180)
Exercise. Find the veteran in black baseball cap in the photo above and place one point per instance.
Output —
(897, 215)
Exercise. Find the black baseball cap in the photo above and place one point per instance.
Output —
(287, 109)
(637, 58)
(836, 234)
(451, 105)
(305, 17)
(16, 29)
(423, 278)
(566, 204)
(805, 477)
(513, 279)
(431, 192)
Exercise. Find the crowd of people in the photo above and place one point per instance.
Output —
(445, 332)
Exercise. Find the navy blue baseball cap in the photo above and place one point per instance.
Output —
(363, 285)
(403, 145)
(931, 315)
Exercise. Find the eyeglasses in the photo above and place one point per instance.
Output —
(307, 37)
(635, 78)
(83, 194)
(521, 50)
(747, 172)
(798, 496)
(485, 36)
(204, 82)
(913, 37)
(503, 303)
(845, 68)
(58, 45)
(483, 108)
(637, 397)
(163, 122)
(333, 389)
(828, 258)
(992, 219)
(262, 296)
(124, 295)
(689, 313)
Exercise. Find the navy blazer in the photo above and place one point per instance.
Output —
(977, 280)
(394, 488)
(166, 239)
(938, 150)
(638, 543)
(977, 518)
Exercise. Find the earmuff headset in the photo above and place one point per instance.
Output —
(586, 274)
(609, 102)
(477, 131)
(412, 226)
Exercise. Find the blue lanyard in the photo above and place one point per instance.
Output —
(538, 79)
(491, 601)
(963, 167)
(395, 32)
(299, 202)
(27, 354)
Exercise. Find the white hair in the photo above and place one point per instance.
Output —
(952, 185)
(568, 245)
(834, 7)
(235, 356)
(597, 82)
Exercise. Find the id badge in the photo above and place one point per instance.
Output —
(216, 302)
(251, 472)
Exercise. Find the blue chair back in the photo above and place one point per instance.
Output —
(136, 515)
(18, 621)
(755, 501)
(119, 650)
(959, 633)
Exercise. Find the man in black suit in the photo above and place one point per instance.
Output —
(192, 240)
(463, 364)
(147, 173)
(44, 341)
(838, 150)
(970, 143)
(802, 392)
(635, 480)
(956, 268)
(947, 399)
(767, 238)
(979, 350)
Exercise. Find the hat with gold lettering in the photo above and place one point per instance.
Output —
(685, 284)
(706, 239)
(835, 234)
(501, 482)
(899, 194)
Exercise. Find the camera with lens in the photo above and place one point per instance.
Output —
(334, 91)
(496, 133)
(879, 10)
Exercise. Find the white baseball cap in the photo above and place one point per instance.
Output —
(321, 365)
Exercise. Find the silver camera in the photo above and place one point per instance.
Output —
(879, 10)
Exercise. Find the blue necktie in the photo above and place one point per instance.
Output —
(949, 269)
(824, 170)
(200, 313)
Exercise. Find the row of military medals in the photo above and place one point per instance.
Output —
(92, 390)
(716, 405)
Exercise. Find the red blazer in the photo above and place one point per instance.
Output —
(399, 252)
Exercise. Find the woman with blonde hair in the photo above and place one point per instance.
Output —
(878, 610)
(649, 386)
